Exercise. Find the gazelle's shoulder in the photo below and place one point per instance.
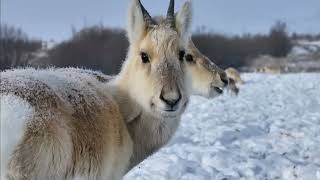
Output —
(56, 76)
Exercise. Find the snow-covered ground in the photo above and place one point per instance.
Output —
(305, 47)
(270, 131)
(306, 42)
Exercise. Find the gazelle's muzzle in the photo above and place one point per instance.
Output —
(171, 97)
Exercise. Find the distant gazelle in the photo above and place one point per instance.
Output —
(66, 124)
(270, 69)
(205, 75)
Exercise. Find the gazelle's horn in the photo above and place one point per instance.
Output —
(146, 16)
(170, 14)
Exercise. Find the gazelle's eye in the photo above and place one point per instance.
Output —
(144, 57)
(181, 55)
(189, 58)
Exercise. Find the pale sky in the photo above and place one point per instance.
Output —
(53, 19)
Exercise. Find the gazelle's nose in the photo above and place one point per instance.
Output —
(171, 96)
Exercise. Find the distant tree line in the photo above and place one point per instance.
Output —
(238, 51)
(309, 37)
(96, 48)
(104, 49)
(14, 47)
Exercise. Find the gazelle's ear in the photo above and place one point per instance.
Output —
(183, 20)
(136, 25)
(138, 21)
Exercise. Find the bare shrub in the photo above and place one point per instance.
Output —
(238, 51)
(280, 43)
(96, 47)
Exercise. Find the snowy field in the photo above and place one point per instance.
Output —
(270, 131)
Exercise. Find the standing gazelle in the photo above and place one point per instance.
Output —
(64, 124)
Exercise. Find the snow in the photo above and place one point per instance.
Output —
(298, 50)
(270, 131)
(306, 42)
(305, 47)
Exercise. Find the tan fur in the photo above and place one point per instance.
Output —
(59, 144)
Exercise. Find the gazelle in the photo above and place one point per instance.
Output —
(271, 69)
(74, 126)
(205, 75)
(234, 74)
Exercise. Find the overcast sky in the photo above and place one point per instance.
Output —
(53, 19)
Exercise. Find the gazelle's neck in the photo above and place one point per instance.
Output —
(149, 134)
(128, 107)
(121, 86)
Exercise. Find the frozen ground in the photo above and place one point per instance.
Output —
(270, 131)
(305, 47)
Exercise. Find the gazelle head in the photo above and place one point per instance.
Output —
(157, 77)
(207, 79)
(234, 74)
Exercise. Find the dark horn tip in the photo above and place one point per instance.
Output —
(170, 13)
(146, 16)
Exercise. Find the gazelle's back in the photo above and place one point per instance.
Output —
(60, 124)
